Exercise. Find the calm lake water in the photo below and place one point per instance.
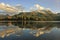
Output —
(29, 30)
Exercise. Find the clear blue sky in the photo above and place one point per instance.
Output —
(52, 4)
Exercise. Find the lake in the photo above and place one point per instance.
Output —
(29, 30)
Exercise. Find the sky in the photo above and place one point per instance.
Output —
(54, 5)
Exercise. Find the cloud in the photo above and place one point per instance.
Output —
(2, 4)
(39, 7)
(11, 9)
(48, 9)
(8, 5)
(18, 5)
(8, 8)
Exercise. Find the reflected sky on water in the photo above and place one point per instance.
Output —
(29, 31)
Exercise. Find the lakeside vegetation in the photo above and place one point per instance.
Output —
(46, 15)
(23, 17)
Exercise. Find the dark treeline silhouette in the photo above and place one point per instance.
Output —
(32, 16)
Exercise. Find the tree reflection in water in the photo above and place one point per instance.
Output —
(18, 29)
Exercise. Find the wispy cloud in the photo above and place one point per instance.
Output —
(8, 8)
(39, 7)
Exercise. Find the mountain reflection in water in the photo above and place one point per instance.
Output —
(29, 31)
